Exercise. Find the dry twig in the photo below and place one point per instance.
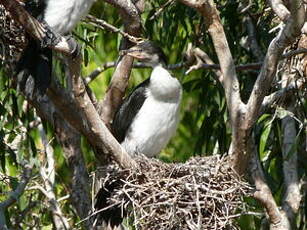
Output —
(203, 193)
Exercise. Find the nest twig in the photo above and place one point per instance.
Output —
(12, 40)
(204, 193)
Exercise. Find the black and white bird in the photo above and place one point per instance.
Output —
(61, 16)
(148, 117)
(145, 121)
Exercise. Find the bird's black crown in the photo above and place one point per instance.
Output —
(152, 48)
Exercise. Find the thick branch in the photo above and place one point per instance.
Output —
(93, 127)
(230, 82)
(34, 28)
(280, 9)
(292, 196)
(70, 141)
(284, 38)
(81, 114)
(116, 90)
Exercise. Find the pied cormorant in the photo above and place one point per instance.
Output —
(61, 16)
(148, 117)
(145, 121)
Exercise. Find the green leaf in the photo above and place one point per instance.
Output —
(47, 227)
(2, 157)
(85, 57)
(263, 139)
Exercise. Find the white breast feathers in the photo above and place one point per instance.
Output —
(63, 15)
(157, 119)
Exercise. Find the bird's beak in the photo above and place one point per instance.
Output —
(135, 52)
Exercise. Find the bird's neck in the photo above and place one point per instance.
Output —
(163, 86)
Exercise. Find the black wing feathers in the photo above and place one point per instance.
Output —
(36, 62)
(128, 110)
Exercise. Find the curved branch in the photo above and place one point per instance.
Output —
(236, 107)
(263, 192)
(291, 30)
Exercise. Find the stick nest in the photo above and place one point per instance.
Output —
(204, 193)
(12, 39)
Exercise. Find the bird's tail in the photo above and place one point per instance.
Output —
(111, 217)
(35, 62)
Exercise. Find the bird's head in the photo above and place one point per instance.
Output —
(148, 52)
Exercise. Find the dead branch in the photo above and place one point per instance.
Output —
(202, 193)
(104, 25)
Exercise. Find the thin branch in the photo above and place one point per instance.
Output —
(104, 25)
(93, 75)
(294, 52)
(269, 100)
(161, 9)
(14, 195)
(202, 59)
(138, 65)
(247, 7)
